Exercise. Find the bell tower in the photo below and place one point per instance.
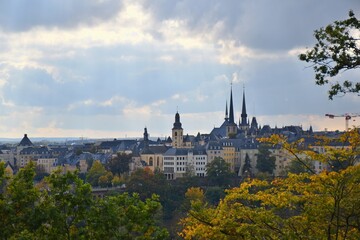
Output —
(177, 133)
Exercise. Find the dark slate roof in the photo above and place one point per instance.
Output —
(158, 149)
(35, 150)
(146, 151)
(110, 144)
(221, 131)
(184, 151)
(72, 159)
(176, 151)
(25, 141)
(214, 145)
(127, 145)
(189, 138)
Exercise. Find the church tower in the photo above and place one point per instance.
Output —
(177, 133)
(231, 128)
(244, 124)
(146, 139)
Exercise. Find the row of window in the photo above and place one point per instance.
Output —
(200, 163)
(181, 169)
(180, 163)
(215, 147)
(227, 143)
(215, 152)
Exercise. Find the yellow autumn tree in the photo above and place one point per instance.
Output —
(300, 206)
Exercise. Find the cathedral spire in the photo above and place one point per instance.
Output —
(226, 113)
(243, 111)
(231, 115)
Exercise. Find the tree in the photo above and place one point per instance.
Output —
(265, 161)
(125, 216)
(18, 209)
(337, 50)
(117, 181)
(106, 180)
(146, 183)
(218, 172)
(297, 167)
(300, 206)
(63, 207)
(303, 206)
(247, 168)
(193, 194)
(119, 164)
(96, 171)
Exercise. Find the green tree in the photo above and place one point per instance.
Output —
(125, 217)
(64, 205)
(18, 208)
(146, 183)
(265, 161)
(96, 171)
(337, 50)
(106, 180)
(247, 168)
(117, 181)
(119, 164)
(218, 172)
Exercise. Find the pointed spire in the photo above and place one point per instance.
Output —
(226, 112)
(231, 116)
(243, 111)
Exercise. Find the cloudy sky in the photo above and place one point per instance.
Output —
(108, 68)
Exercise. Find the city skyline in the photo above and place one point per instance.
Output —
(107, 69)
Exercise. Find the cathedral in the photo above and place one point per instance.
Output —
(229, 128)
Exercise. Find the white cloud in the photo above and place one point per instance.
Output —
(318, 122)
(233, 53)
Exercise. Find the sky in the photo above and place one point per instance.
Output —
(109, 68)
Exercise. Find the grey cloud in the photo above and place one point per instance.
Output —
(275, 25)
(287, 87)
(36, 87)
(22, 15)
